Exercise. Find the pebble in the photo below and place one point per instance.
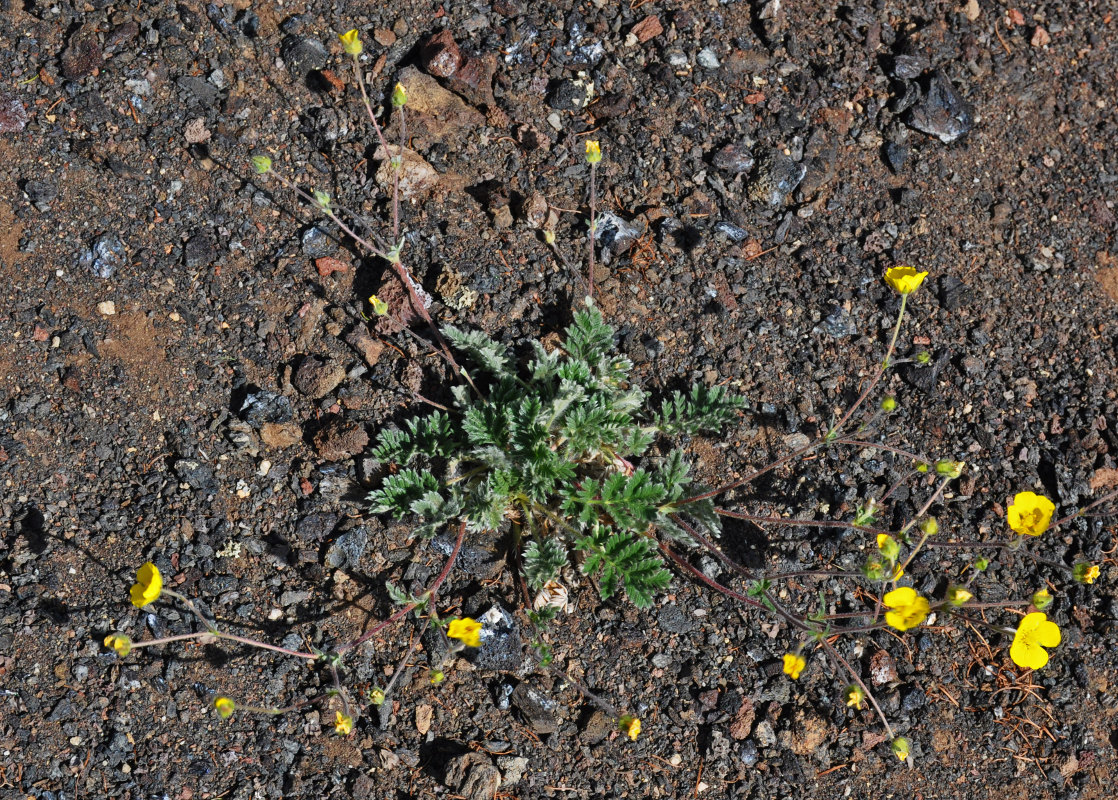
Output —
(347, 549)
(195, 474)
(317, 377)
(82, 55)
(104, 257)
(302, 54)
(731, 232)
(199, 250)
(734, 158)
(708, 59)
(317, 242)
(13, 115)
(838, 324)
(265, 406)
(40, 193)
(340, 439)
(500, 641)
(775, 177)
(941, 112)
(440, 55)
(614, 234)
(764, 733)
(106, 308)
(537, 708)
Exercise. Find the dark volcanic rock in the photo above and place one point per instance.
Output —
(941, 112)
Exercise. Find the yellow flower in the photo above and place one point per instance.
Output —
(908, 608)
(351, 42)
(225, 707)
(794, 664)
(900, 747)
(148, 585)
(376, 697)
(119, 642)
(853, 696)
(1030, 514)
(380, 308)
(593, 151)
(1034, 634)
(630, 726)
(904, 280)
(343, 724)
(1085, 573)
(466, 630)
(898, 573)
(957, 596)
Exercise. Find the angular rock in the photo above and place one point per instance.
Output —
(417, 177)
(317, 377)
(775, 177)
(82, 55)
(941, 112)
(440, 55)
(302, 54)
(347, 549)
(339, 440)
(13, 115)
(263, 406)
(437, 112)
(537, 708)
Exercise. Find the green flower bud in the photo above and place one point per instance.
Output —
(1041, 599)
(950, 469)
(981, 564)
(929, 526)
(888, 404)
(399, 96)
(262, 165)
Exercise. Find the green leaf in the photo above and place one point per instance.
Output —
(542, 562)
(400, 490)
(589, 338)
(430, 436)
(624, 560)
(490, 355)
(704, 409)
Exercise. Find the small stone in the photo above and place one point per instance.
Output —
(708, 59)
(347, 549)
(648, 28)
(195, 474)
(883, 669)
(896, 156)
(13, 115)
(417, 177)
(105, 256)
(196, 132)
(317, 242)
(538, 709)
(440, 55)
(199, 250)
(614, 234)
(384, 37)
(474, 80)
(764, 734)
(369, 348)
(473, 776)
(734, 158)
(339, 440)
(327, 266)
(1040, 37)
(280, 435)
(263, 406)
(941, 112)
(906, 66)
(775, 177)
(501, 644)
(106, 308)
(302, 54)
(317, 377)
(82, 55)
(40, 193)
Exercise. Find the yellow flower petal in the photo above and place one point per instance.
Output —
(630, 726)
(794, 664)
(1030, 514)
(593, 152)
(148, 585)
(225, 707)
(351, 42)
(466, 630)
(343, 724)
(1034, 633)
(907, 608)
(904, 280)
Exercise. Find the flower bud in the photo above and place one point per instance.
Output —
(923, 358)
(225, 707)
(888, 547)
(593, 151)
(380, 308)
(1085, 573)
(957, 596)
(981, 563)
(376, 696)
(399, 95)
(120, 643)
(888, 404)
(873, 570)
(853, 695)
(1041, 599)
(262, 165)
(900, 748)
(322, 200)
(351, 42)
(437, 676)
(950, 469)
(929, 526)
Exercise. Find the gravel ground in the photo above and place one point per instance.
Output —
(186, 377)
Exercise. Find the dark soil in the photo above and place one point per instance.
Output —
(213, 419)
